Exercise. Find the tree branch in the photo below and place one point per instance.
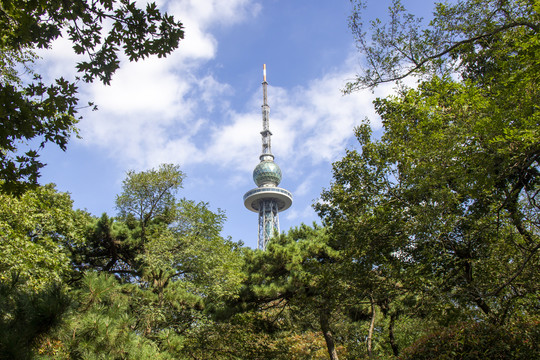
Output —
(380, 80)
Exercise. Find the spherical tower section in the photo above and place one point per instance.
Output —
(267, 173)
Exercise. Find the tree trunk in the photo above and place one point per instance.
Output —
(477, 297)
(327, 333)
(371, 326)
(393, 344)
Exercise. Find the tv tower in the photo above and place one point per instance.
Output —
(267, 199)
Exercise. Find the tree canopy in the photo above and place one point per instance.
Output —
(143, 284)
(443, 206)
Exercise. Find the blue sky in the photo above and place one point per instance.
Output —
(201, 108)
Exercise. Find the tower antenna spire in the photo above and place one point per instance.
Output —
(266, 134)
(267, 199)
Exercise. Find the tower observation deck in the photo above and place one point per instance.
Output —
(267, 199)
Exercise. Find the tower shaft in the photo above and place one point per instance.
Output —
(268, 221)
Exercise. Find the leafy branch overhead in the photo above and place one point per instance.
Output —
(37, 113)
(403, 46)
(97, 28)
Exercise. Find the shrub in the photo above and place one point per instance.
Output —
(480, 340)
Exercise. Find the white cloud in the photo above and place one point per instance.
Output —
(162, 110)
(153, 108)
(164, 124)
(304, 187)
(209, 13)
(147, 86)
(295, 214)
(235, 143)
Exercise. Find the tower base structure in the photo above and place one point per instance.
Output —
(267, 202)
(268, 221)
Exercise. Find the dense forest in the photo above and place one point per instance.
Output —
(429, 243)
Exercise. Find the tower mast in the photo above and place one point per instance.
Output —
(266, 153)
(267, 199)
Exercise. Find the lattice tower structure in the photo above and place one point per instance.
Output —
(268, 200)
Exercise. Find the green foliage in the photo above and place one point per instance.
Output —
(298, 277)
(34, 113)
(458, 35)
(479, 341)
(202, 255)
(117, 320)
(26, 316)
(152, 277)
(36, 231)
(238, 338)
(445, 201)
(139, 33)
(247, 336)
(30, 112)
(158, 239)
(293, 265)
(438, 218)
(105, 324)
(150, 195)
